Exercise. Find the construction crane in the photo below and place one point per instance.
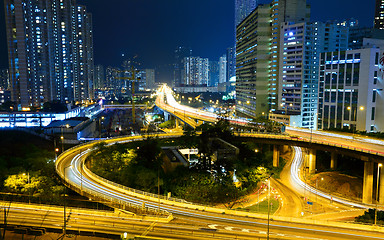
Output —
(132, 79)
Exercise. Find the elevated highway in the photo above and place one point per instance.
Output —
(71, 168)
(370, 151)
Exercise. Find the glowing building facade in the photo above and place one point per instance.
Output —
(50, 51)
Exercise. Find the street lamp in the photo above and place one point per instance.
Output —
(62, 137)
(377, 188)
(65, 197)
(56, 152)
(269, 199)
(361, 108)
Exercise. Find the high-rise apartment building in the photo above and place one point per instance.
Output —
(350, 88)
(252, 62)
(50, 51)
(213, 73)
(243, 8)
(180, 54)
(258, 54)
(301, 44)
(231, 63)
(4, 79)
(150, 78)
(223, 69)
(113, 80)
(99, 82)
(195, 72)
(82, 55)
(379, 15)
(282, 11)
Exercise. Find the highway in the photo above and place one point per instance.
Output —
(220, 220)
(244, 225)
(167, 102)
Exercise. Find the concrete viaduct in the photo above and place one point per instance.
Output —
(370, 158)
(368, 155)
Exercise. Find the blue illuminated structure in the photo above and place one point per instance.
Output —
(42, 119)
(299, 72)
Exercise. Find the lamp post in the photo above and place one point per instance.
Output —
(377, 188)
(355, 114)
(269, 199)
(65, 197)
(100, 125)
(62, 137)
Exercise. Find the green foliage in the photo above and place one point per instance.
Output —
(132, 164)
(167, 124)
(33, 184)
(138, 165)
(201, 187)
(364, 133)
(263, 207)
(250, 177)
(23, 152)
(369, 217)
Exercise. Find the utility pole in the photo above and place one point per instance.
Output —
(269, 197)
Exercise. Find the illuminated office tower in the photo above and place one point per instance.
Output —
(258, 54)
(301, 44)
(44, 42)
(351, 88)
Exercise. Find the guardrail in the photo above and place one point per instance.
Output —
(112, 201)
(182, 203)
(289, 138)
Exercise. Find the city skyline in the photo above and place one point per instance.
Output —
(108, 28)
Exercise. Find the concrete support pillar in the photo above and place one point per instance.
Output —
(312, 161)
(381, 185)
(276, 156)
(285, 148)
(368, 182)
(166, 116)
(333, 160)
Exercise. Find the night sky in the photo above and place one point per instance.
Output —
(152, 29)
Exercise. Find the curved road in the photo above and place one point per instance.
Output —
(222, 220)
(70, 167)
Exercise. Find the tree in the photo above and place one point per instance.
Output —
(148, 154)
(55, 106)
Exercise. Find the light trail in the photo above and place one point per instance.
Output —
(295, 176)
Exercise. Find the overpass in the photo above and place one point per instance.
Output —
(71, 168)
(365, 149)
(124, 106)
